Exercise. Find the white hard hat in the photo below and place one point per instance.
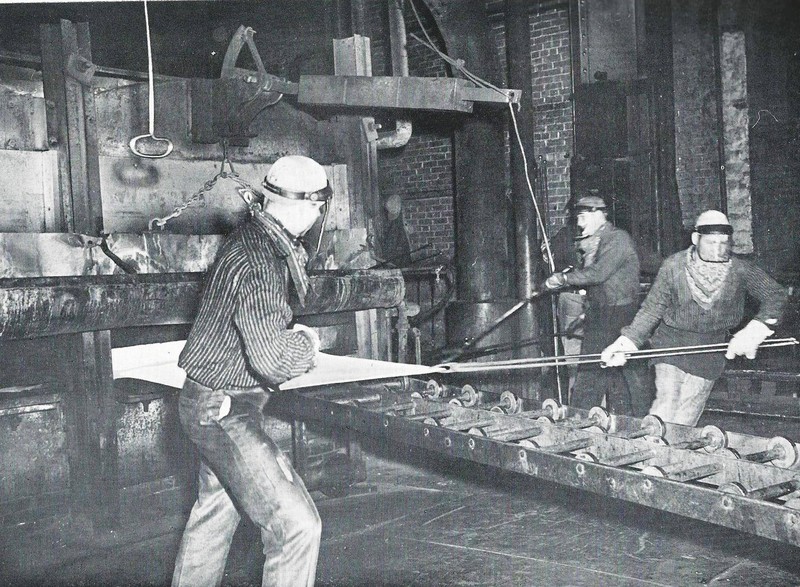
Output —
(713, 222)
(298, 178)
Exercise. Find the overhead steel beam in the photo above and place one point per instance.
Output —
(411, 93)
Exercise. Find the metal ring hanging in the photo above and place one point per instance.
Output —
(151, 105)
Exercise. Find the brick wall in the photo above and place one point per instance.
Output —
(421, 172)
(697, 160)
(552, 90)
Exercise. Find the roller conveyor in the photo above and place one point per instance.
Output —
(744, 482)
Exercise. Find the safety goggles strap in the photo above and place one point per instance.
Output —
(322, 195)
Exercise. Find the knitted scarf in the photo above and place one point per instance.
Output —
(290, 249)
(588, 246)
(705, 279)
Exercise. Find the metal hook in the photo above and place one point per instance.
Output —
(156, 139)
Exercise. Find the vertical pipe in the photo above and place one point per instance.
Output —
(518, 55)
(484, 223)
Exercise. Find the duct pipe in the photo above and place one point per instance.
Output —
(484, 225)
(528, 258)
(397, 38)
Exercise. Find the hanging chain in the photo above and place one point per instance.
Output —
(245, 190)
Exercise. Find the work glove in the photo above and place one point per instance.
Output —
(746, 341)
(555, 282)
(312, 337)
(614, 354)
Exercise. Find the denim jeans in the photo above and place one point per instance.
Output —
(243, 470)
(680, 396)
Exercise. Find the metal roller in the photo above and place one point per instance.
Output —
(623, 460)
(711, 439)
(691, 474)
(652, 425)
(507, 433)
(780, 452)
(560, 447)
(467, 398)
(768, 492)
(551, 408)
(598, 418)
(508, 404)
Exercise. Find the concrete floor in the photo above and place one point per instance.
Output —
(434, 522)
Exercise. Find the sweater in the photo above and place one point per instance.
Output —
(612, 279)
(674, 318)
(239, 338)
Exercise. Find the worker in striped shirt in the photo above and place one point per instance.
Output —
(696, 298)
(239, 348)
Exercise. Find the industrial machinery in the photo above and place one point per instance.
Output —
(741, 481)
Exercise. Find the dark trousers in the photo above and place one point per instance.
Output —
(628, 390)
(243, 470)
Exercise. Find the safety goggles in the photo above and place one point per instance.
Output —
(714, 229)
(322, 195)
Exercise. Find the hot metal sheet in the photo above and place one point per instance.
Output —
(332, 369)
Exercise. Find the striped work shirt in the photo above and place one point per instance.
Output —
(678, 320)
(239, 338)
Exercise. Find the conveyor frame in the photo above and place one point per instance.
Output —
(701, 499)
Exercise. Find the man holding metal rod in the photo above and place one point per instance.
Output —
(696, 298)
(610, 276)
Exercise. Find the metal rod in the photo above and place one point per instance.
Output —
(473, 341)
(645, 353)
(542, 362)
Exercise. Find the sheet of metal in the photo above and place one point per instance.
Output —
(22, 112)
